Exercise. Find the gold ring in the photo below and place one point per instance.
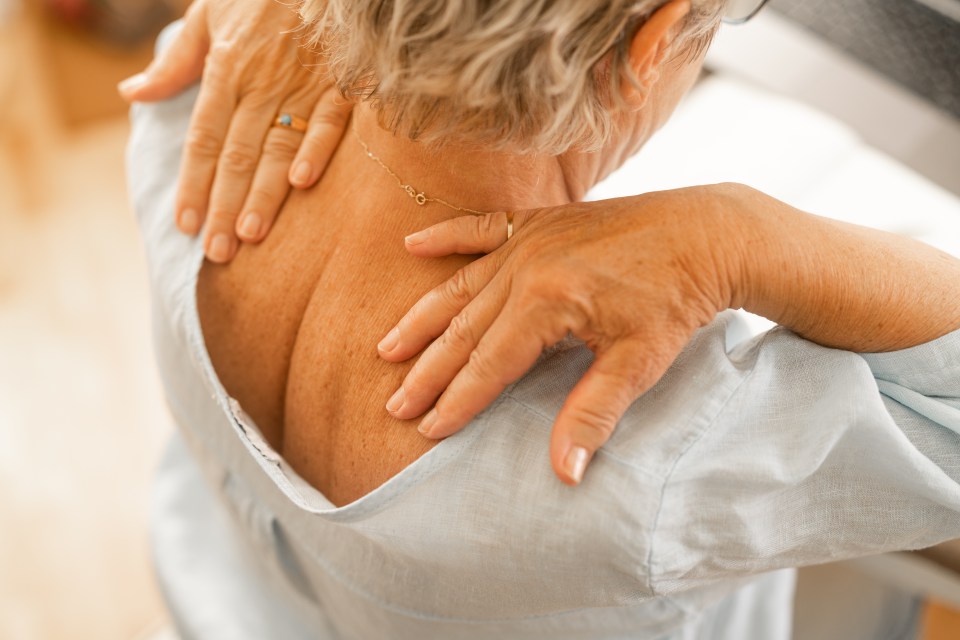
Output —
(509, 225)
(290, 121)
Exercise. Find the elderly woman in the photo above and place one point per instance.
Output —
(744, 459)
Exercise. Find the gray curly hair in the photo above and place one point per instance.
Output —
(523, 75)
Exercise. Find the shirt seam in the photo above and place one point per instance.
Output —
(673, 467)
(599, 452)
(365, 593)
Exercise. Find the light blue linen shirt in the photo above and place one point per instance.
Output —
(751, 456)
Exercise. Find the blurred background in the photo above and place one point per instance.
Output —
(846, 108)
(82, 419)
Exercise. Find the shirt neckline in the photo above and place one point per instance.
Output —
(297, 490)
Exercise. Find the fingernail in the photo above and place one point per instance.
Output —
(219, 248)
(132, 83)
(189, 221)
(390, 342)
(250, 229)
(576, 463)
(302, 173)
(395, 401)
(426, 426)
(417, 238)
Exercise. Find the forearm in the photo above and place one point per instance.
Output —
(841, 285)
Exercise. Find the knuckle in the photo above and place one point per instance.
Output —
(460, 333)
(262, 198)
(457, 291)
(281, 145)
(203, 142)
(596, 419)
(481, 365)
(220, 66)
(537, 286)
(222, 51)
(483, 227)
(330, 117)
(240, 157)
(257, 97)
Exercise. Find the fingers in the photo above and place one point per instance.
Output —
(503, 355)
(177, 67)
(270, 183)
(433, 313)
(327, 125)
(208, 129)
(464, 234)
(591, 412)
(235, 170)
(269, 188)
(443, 359)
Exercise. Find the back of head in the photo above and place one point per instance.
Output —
(521, 75)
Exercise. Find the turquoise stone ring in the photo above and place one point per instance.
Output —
(290, 121)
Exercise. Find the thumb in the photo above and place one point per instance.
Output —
(591, 412)
(177, 67)
(467, 235)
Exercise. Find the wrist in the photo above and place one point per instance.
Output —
(704, 244)
(780, 260)
(735, 241)
(777, 258)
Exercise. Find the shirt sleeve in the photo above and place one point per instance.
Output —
(157, 135)
(815, 455)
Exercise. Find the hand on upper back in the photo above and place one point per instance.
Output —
(633, 278)
(237, 166)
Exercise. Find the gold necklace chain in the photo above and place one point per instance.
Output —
(418, 196)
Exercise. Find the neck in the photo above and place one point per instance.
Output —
(471, 177)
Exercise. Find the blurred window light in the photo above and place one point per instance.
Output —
(739, 11)
(948, 8)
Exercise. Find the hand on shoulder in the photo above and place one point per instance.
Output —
(267, 117)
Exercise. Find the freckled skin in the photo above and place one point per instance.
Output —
(292, 327)
(292, 324)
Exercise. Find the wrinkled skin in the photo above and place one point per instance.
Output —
(634, 280)
(237, 167)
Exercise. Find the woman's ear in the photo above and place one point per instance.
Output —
(649, 47)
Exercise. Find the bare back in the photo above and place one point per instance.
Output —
(292, 327)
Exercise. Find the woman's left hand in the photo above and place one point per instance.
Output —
(238, 165)
(633, 278)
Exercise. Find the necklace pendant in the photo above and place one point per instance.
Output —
(418, 196)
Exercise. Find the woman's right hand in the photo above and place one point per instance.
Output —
(633, 278)
(237, 166)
